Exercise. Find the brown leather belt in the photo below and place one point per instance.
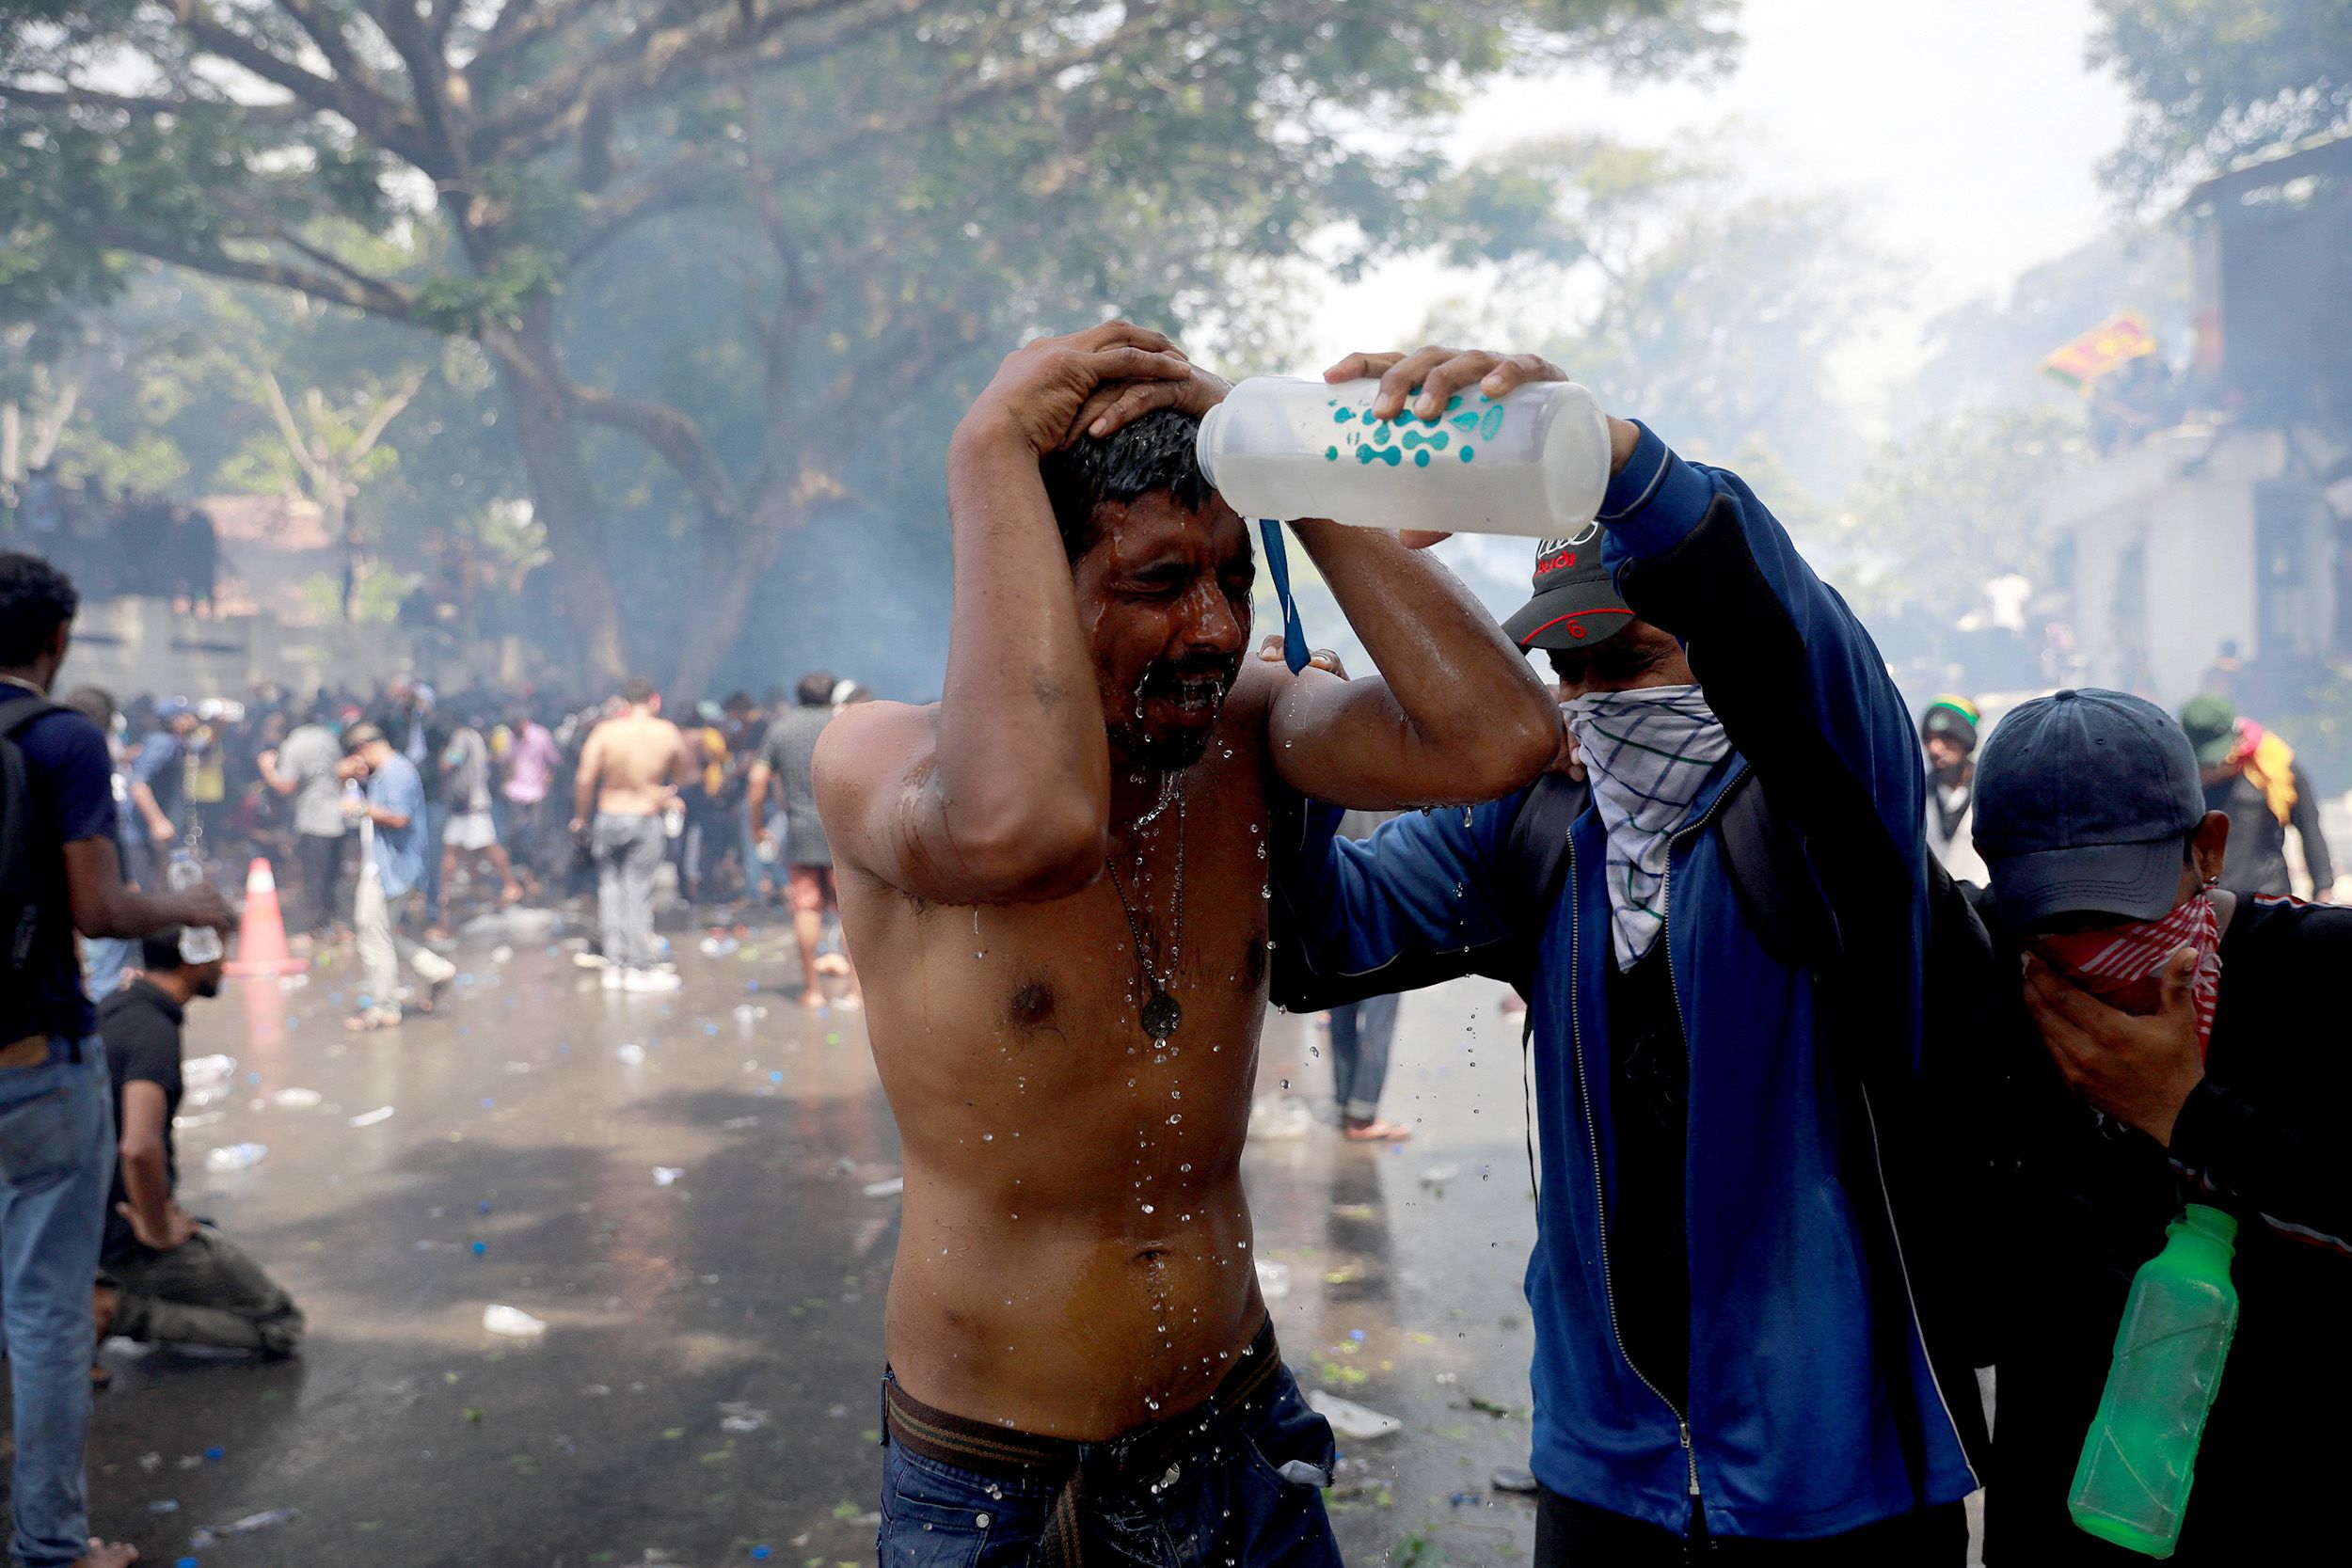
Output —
(32, 1051)
(1142, 1455)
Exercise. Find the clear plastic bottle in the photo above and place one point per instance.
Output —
(1535, 461)
(198, 944)
(2140, 1459)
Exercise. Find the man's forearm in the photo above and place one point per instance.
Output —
(148, 1186)
(1021, 754)
(1433, 642)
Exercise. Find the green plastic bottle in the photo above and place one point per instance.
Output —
(2140, 1459)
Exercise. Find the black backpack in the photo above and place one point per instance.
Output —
(18, 909)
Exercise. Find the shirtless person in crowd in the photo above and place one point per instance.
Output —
(629, 772)
(1053, 880)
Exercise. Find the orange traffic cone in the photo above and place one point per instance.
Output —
(262, 940)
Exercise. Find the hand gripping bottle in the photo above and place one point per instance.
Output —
(198, 944)
(1533, 461)
(2140, 1459)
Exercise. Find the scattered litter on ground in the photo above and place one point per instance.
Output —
(164, 1505)
(513, 1321)
(737, 1415)
(1508, 1479)
(664, 1175)
(891, 1188)
(206, 1534)
(236, 1157)
(202, 1119)
(1496, 1408)
(737, 1124)
(633, 1053)
(1281, 1116)
(150, 1463)
(1274, 1279)
(204, 1072)
(501, 954)
(1439, 1174)
(296, 1099)
(1356, 1423)
(382, 1113)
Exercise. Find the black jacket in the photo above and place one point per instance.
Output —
(2257, 861)
(2084, 1202)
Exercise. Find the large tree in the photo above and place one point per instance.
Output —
(745, 237)
(2214, 80)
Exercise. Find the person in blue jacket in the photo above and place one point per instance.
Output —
(1744, 1333)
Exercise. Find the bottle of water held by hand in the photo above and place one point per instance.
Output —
(1533, 461)
(2132, 1486)
(198, 944)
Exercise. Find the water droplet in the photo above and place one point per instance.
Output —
(1286, 1082)
(1147, 1207)
(1174, 1119)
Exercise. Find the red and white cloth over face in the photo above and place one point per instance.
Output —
(2122, 965)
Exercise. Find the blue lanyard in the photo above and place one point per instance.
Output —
(1277, 564)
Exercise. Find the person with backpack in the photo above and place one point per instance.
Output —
(1720, 907)
(60, 874)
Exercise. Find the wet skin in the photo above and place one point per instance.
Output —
(1074, 1255)
(1074, 1258)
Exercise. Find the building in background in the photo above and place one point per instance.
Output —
(2211, 539)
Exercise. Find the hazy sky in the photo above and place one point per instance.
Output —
(1964, 133)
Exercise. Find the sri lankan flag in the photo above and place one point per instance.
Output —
(2120, 337)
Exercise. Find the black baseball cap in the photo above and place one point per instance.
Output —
(2084, 801)
(1575, 605)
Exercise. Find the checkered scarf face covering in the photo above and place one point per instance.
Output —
(1649, 751)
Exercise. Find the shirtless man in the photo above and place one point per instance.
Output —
(1053, 880)
(628, 772)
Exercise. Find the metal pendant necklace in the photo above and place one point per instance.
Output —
(1161, 1013)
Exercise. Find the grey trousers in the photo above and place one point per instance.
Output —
(628, 851)
(375, 931)
(206, 1292)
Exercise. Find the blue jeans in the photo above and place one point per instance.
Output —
(1243, 1487)
(1360, 1033)
(56, 1158)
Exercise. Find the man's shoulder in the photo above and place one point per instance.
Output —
(2287, 929)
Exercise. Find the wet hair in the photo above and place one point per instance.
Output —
(1156, 452)
(35, 601)
(816, 688)
(159, 951)
(636, 689)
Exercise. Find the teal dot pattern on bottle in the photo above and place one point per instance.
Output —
(1389, 441)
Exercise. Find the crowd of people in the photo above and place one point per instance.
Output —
(383, 818)
(1867, 1052)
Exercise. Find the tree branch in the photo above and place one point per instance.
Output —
(326, 30)
(290, 430)
(375, 115)
(376, 298)
(671, 434)
(374, 430)
(678, 183)
(427, 81)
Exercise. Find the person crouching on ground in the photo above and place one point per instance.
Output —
(167, 1275)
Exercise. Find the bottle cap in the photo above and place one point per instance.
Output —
(2215, 1224)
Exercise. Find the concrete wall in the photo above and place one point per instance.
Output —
(2165, 558)
(133, 646)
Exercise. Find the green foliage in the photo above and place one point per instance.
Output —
(2216, 80)
(750, 255)
(1953, 505)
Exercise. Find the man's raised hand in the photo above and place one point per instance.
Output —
(1427, 376)
(1037, 391)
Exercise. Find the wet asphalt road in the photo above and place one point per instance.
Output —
(706, 1391)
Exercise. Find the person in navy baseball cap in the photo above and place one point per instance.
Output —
(2085, 802)
(2176, 1039)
